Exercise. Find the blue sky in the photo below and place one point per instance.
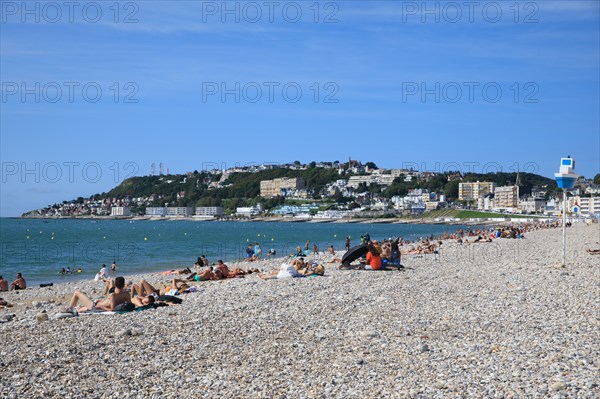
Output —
(389, 82)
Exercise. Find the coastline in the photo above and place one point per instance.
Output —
(276, 219)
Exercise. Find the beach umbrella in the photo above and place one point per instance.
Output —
(354, 253)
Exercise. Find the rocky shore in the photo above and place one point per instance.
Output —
(498, 320)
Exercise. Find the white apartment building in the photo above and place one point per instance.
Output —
(248, 211)
(208, 211)
(589, 206)
(183, 211)
(120, 211)
(156, 211)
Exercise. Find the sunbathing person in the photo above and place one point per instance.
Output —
(19, 283)
(113, 302)
(3, 284)
(285, 271)
(222, 271)
(314, 269)
(144, 288)
(141, 301)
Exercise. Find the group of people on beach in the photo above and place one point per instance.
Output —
(378, 255)
(18, 284)
(127, 297)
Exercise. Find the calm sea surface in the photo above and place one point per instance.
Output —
(39, 248)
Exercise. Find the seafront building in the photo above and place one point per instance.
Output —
(383, 180)
(532, 204)
(181, 211)
(156, 211)
(209, 211)
(248, 211)
(295, 209)
(120, 211)
(506, 197)
(280, 186)
(589, 206)
(473, 191)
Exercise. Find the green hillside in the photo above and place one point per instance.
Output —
(240, 189)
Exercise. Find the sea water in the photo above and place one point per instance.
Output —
(39, 248)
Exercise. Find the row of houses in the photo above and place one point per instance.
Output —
(489, 197)
(176, 211)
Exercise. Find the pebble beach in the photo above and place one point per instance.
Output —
(487, 320)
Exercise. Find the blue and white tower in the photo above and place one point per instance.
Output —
(565, 179)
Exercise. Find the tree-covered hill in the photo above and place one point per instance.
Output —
(239, 189)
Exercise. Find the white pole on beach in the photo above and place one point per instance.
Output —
(564, 227)
(565, 179)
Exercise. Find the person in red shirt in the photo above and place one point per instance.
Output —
(373, 258)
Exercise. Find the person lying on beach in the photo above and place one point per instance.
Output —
(413, 251)
(297, 269)
(113, 302)
(203, 275)
(141, 301)
(285, 271)
(178, 272)
(144, 288)
(314, 269)
(19, 283)
(3, 284)
(222, 271)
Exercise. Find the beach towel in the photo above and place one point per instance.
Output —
(170, 298)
